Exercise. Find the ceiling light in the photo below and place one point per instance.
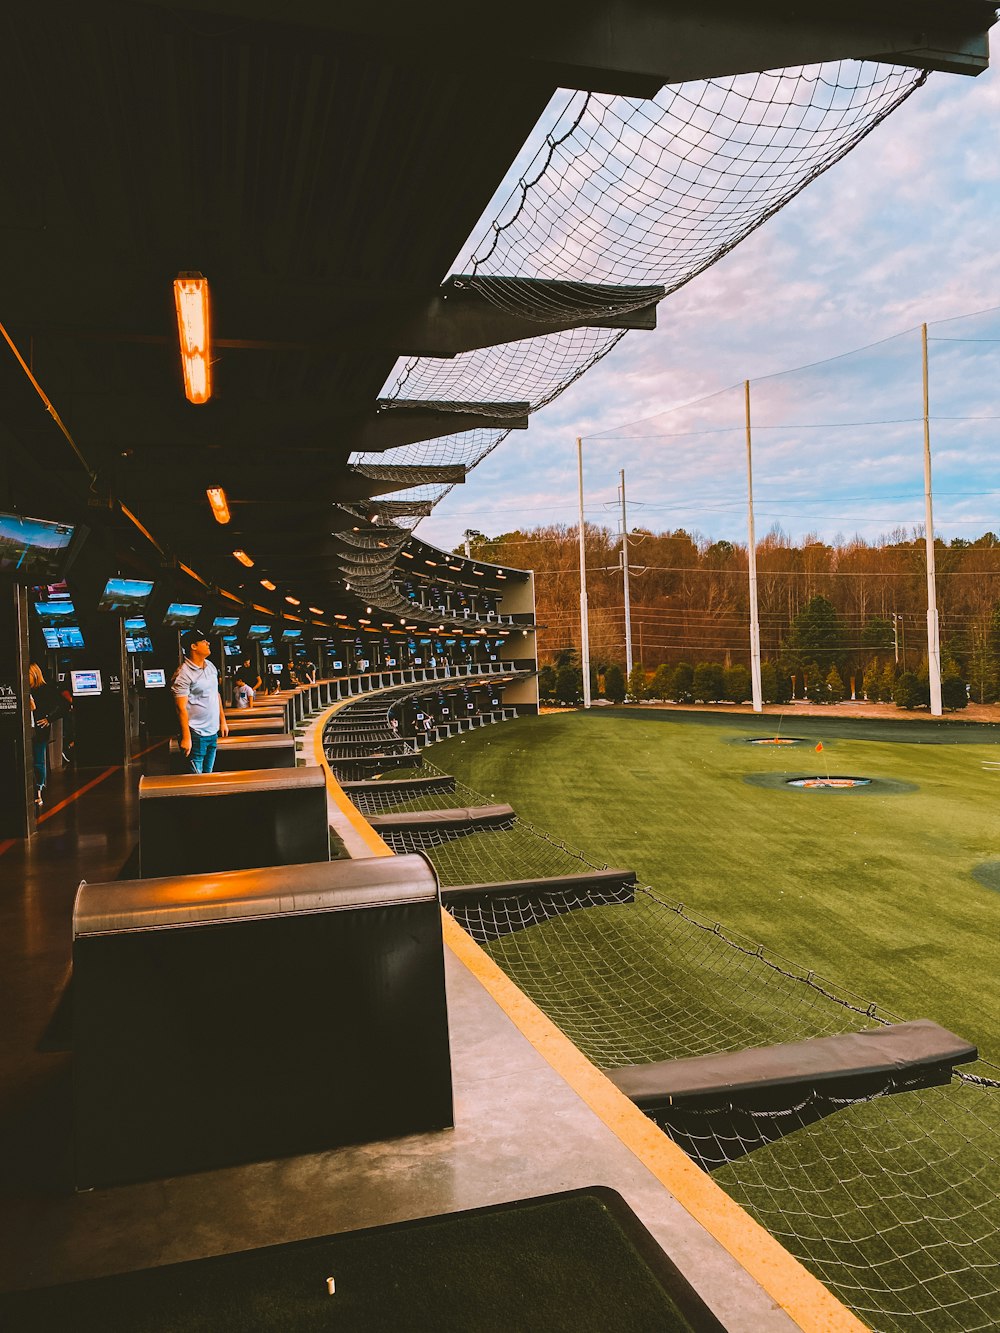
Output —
(317, 611)
(220, 505)
(293, 601)
(266, 583)
(432, 563)
(191, 300)
(406, 555)
(338, 615)
(243, 558)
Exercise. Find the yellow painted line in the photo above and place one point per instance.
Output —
(357, 819)
(803, 1297)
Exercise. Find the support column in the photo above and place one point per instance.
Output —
(17, 783)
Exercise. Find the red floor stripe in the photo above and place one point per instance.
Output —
(80, 791)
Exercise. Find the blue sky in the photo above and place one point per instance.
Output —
(903, 230)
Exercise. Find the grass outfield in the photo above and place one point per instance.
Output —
(874, 891)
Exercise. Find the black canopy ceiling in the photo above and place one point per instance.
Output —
(322, 171)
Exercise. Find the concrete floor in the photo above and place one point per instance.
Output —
(520, 1129)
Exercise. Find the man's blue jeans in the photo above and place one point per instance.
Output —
(202, 756)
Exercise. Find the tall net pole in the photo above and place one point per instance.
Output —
(933, 627)
(755, 687)
(628, 604)
(584, 623)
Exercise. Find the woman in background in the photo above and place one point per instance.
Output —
(46, 706)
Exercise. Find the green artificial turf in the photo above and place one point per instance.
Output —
(875, 891)
(891, 1202)
(579, 1263)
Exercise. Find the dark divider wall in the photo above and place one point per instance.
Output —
(17, 811)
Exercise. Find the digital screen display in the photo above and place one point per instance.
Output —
(85, 682)
(182, 615)
(417, 661)
(32, 547)
(135, 623)
(56, 613)
(231, 649)
(420, 717)
(154, 678)
(445, 712)
(337, 666)
(138, 643)
(259, 632)
(62, 636)
(390, 661)
(275, 668)
(125, 595)
(291, 634)
(269, 652)
(225, 622)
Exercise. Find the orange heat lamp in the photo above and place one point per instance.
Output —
(220, 505)
(266, 583)
(317, 610)
(243, 558)
(293, 601)
(191, 300)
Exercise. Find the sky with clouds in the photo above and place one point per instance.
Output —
(904, 230)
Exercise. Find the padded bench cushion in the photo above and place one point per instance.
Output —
(230, 784)
(532, 888)
(186, 900)
(427, 821)
(902, 1048)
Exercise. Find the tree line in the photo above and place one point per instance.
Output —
(852, 612)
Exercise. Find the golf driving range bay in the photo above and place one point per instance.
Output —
(890, 889)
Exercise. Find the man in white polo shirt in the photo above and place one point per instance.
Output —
(199, 707)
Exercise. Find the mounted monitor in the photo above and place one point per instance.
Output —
(125, 595)
(62, 636)
(259, 632)
(85, 683)
(138, 643)
(182, 615)
(56, 613)
(134, 623)
(33, 550)
(154, 678)
(291, 634)
(225, 622)
(276, 668)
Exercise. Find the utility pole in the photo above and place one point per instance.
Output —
(895, 637)
(584, 623)
(755, 685)
(628, 607)
(933, 626)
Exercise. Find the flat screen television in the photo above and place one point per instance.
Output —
(259, 632)
(276, 668)
(182, 615)
(138, 643)
(390, 661)
(291, 634)
(125, 595)
(154, 678)
(232, 649)
(269, 651)
(62, 636)
(33, 550)
(337, 666)
(136, 623)
(225, 622)
(85, 682)
(56, 613)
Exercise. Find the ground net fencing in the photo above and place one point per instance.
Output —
(890, 1198)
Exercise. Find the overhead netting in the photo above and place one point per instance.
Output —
(890, 1198)
(629, 193)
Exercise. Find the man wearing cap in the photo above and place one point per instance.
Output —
(199, 708)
